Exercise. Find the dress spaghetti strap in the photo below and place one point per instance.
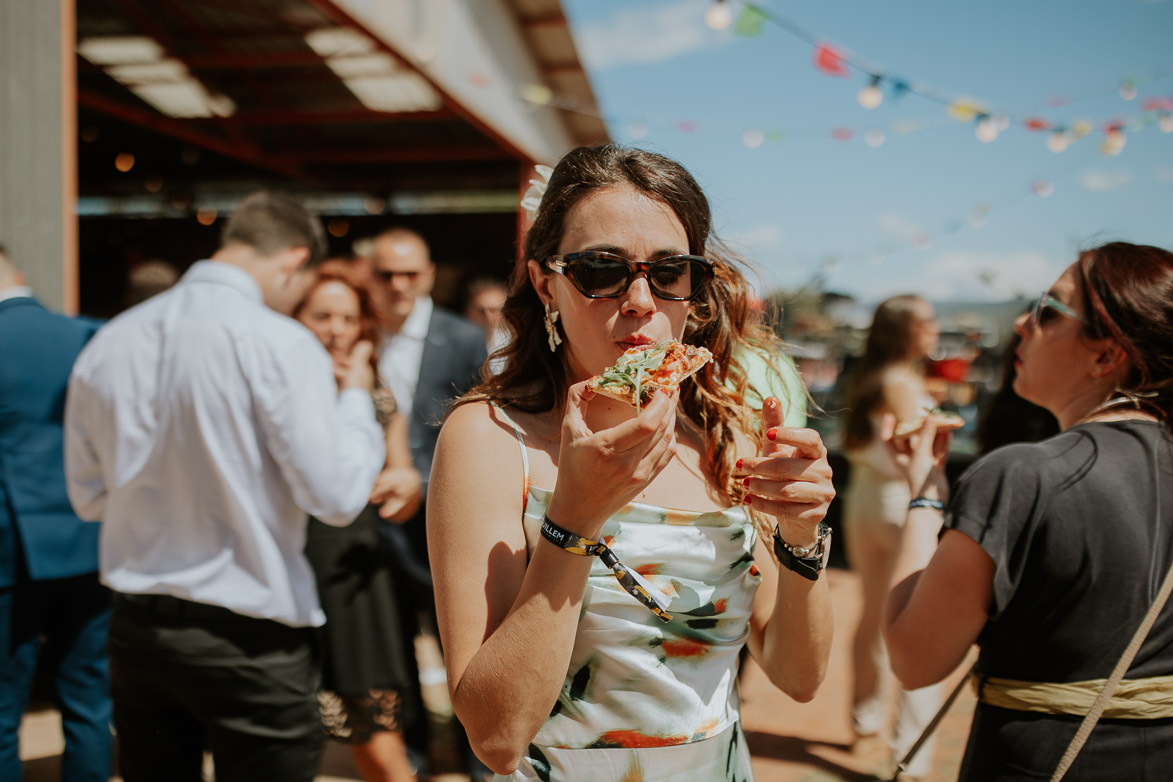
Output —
(524, 455)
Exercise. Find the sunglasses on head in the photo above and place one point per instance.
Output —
(600, 275)
(1046, 303)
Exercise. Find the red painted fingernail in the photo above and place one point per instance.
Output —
(771, 434)
(738, 465)
(745, 483)
(749, 499)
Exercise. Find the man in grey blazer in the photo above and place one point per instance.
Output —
(428, 357)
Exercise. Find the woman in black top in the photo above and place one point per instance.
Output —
(1053, 552)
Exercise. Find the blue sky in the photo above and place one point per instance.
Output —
(931, 209)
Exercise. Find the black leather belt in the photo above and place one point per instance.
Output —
(176, 607)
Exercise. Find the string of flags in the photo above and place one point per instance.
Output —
(1060, 136)
(988, 122)
(1042, 186)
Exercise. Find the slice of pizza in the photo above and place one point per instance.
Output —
(945, 421)
(640, 372)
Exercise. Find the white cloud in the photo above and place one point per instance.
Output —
(900, 227)
(647, 34)
(1103, 181)
(757, 240)
(951, 276)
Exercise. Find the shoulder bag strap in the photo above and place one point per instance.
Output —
(902, 766)
(1093, 716)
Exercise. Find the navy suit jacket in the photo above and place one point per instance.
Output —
(454, 353)
(37, 351)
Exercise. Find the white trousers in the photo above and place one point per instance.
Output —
(873, 520)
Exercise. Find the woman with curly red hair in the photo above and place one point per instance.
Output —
(369, 684)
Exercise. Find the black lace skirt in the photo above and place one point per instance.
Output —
(368, 677)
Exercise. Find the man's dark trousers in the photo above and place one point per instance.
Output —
(182, 671)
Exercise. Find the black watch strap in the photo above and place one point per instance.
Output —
(812, 562)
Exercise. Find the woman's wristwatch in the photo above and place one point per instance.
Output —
(807, 562)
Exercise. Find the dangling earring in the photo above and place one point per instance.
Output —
(552, 330)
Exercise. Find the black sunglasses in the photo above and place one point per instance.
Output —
(387, 276)
(600, 275)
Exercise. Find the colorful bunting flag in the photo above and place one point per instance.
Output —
(964, 109)
(830, 61)
(749, 24)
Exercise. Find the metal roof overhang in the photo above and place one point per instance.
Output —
(379, 97)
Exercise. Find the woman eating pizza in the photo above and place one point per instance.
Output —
(601, 556)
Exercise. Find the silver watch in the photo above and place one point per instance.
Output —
(807, 561)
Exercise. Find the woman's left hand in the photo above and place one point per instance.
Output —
(921, 456)
(791, 480)
(398, 493)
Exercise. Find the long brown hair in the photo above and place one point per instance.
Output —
(889, 341)
(535, 380)
(1128, 295)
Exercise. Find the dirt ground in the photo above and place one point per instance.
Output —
(790, 742)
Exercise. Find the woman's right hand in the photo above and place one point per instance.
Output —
(354, 370)
(398, 493)
(600, 472)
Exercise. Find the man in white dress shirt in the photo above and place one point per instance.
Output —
(202, 426)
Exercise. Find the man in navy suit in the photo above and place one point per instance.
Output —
(429, 357)
(51, 604)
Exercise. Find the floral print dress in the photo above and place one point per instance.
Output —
(645, 700)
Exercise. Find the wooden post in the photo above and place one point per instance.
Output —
(38, 147)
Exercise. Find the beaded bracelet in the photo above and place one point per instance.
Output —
(633, 583)
(925, 502)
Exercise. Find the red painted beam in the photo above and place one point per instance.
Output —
(229, 60)
(440, 154)
(560, 68)
(187, 131)
(354, 116)
(557, 19)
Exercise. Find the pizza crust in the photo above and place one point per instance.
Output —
(946, 422)
(680, 362)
